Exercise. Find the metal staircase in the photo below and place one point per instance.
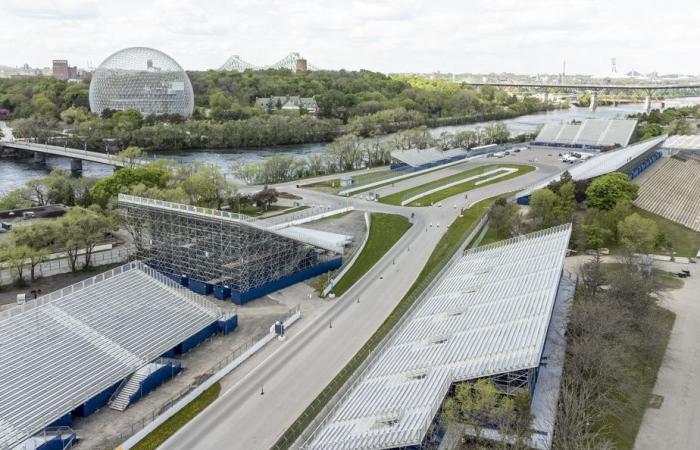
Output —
(121, 400)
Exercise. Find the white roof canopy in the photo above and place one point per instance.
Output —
(488, 314)
(62, 349)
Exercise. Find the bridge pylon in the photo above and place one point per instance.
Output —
(594, 101)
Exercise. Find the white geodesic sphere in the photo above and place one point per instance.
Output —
(143, 79)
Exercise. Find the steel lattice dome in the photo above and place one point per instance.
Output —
(143, 79)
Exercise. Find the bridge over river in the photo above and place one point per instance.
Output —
(76, 156)
(594, 89)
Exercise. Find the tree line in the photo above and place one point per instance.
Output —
(362, 103)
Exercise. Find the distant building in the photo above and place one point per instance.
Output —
(62, 71)
(301, 65)
(287, 103)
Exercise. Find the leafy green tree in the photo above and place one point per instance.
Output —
(15, 256)
(605, 191)
(39, 239)
(106, 189)
(679, 126)
(638, 234)
(16, 199)
(543, 208)
(596, 236)
(130, 156)
(80, 230)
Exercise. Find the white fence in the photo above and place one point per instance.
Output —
(497, 173)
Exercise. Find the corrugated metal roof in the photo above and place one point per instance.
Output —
(681, 142)
(60, 350)
(420, 157)
(600, 164)
(488, 314)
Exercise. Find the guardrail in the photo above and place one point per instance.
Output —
(321, 408)
(335, 279)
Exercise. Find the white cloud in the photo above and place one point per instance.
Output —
(385, 35)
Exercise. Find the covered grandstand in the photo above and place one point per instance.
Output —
(631, 160)
(672, 192)
(488, 315)
(232, 255)
(682, 142)
(590, 134)
(70, 352)
(424, 158)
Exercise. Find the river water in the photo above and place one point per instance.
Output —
(17, 171)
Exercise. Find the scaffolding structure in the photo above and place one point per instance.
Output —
(219, 248)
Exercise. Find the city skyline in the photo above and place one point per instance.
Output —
(482, 37)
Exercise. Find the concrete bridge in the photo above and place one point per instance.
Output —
(76, 156)
(594, 89)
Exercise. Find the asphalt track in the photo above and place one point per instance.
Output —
(293, 373)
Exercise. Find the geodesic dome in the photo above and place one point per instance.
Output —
(143, 79)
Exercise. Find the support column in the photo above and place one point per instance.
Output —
(39, 157)
(76, 167)
(647, 103)
(594, 101)
(546, 97)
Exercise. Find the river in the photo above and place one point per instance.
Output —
(17, 171)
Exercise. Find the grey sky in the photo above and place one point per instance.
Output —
(525, 36)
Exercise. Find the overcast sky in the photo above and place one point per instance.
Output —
(523, 36)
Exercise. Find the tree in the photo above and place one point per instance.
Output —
(39, 238)
(204, 185)
(17, 199)
(16, 257)
(504, 218)
(637, 234)
(543, 204)
(596, 236)
(130, 155)
(604, 192)
(81, 230)
(679, 126)
(265, 198)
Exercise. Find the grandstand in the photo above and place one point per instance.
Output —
(232, 255)
(631, 160)
(682, 142)
(70, 352)
(487, 316)
(591, 134)
(418, 159)
(672, 192)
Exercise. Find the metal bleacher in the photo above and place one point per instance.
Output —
(64, 348)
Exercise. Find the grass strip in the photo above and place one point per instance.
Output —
(686, 242)
(384, 231)
(177, 421)
(450, 242)
(397, 197)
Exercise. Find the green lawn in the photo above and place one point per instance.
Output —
(252, 210)
(444, 250)
(398, 197)
(385, 230)
(624, 428)
(170, 426)
(492, 236)
(686, 242)
(333, 185)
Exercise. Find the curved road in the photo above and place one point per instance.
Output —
(293, 373)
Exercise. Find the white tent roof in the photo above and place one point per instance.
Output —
(598, 132)
(600, 164)
(488, 314)
(62, 349)
(682, 142)
(420, 157)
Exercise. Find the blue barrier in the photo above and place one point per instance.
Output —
(58, 442)
(228, 325)
(240, 298)
(96, 402)
(155, 379)
(222, 292)
(196, 339)
(200, 287)
(64, 421)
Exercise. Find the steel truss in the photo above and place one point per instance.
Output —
(214, 249)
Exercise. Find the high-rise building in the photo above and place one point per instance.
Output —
(60, 69)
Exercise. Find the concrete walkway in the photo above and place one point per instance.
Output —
(676, 424)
